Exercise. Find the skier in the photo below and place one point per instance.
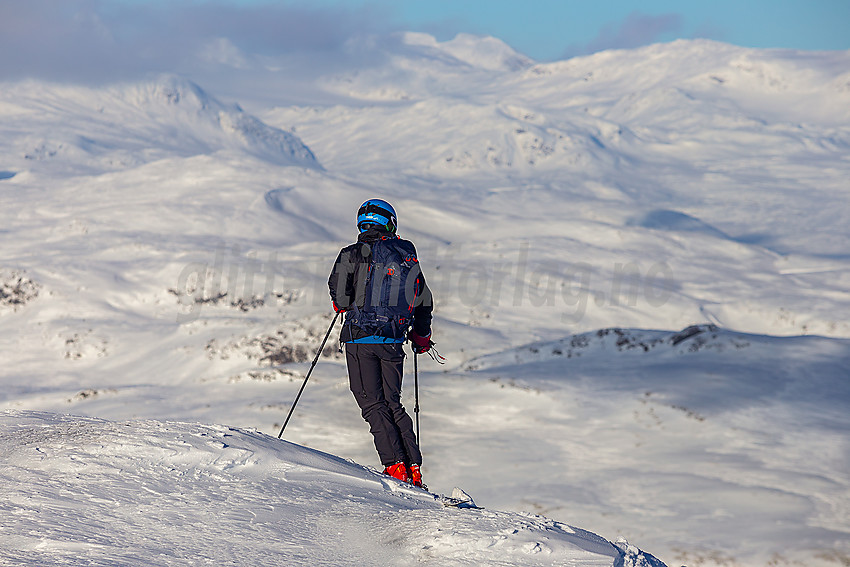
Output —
(378, 284)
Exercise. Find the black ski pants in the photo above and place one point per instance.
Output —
(374, 374)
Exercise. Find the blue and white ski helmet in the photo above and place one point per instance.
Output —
(377, 212)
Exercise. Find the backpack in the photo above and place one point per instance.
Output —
(390, 289)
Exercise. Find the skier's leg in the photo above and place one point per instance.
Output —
(392, 367)
(364, 375)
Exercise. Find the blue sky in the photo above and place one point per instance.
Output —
(553, 29)
(106, 40)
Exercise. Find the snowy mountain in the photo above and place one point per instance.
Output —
(86, 130)
(638, 257)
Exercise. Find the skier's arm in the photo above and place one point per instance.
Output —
(422, 309)
(340, 282)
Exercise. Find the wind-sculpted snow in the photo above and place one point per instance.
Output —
(81, 490)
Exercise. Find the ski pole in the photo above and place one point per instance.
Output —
(312, 366)
(416, 394)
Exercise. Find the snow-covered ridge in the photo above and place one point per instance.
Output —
(419, 66)
(86, 129)
(687, 103)
(143, 492)
(480, 52)
(604, 342)
(756, 368)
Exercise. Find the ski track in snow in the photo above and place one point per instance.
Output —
(165, 257)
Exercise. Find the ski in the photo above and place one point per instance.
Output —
(458, 499)
(450, 502)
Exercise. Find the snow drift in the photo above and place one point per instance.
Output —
(82, 490)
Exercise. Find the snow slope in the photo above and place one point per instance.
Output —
(81, 490)
(129, 125)
(165, 257)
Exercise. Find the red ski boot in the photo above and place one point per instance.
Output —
(416, 476)
(399, 471)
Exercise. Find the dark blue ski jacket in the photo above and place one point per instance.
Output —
(348, 283)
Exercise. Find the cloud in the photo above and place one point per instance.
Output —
(636, 30)
(99, 40)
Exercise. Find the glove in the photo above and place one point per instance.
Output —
(337, 308)
(420, 344)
